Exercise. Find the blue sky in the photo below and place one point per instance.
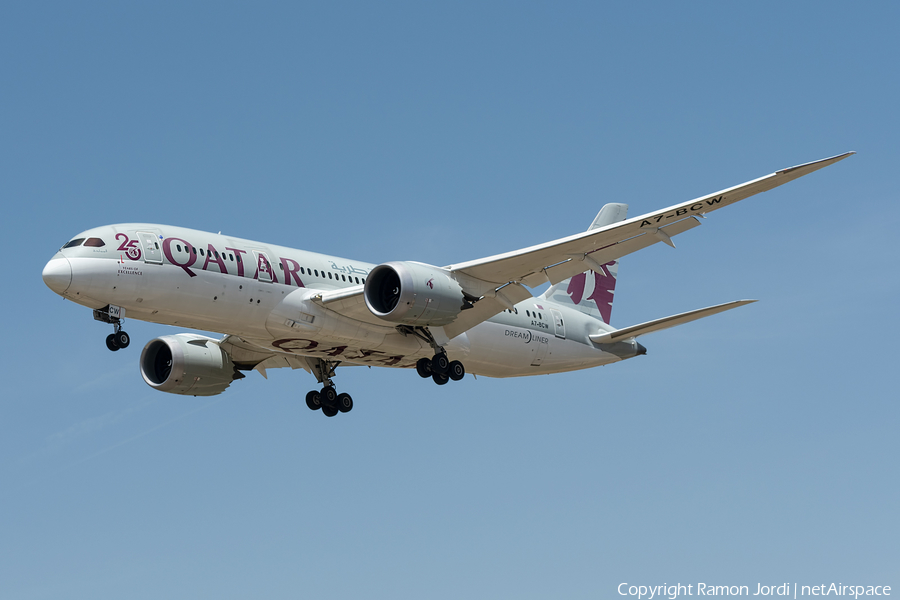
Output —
(754, 446)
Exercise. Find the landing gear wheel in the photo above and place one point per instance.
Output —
(111, 342)
(440, 364)
(457, 371)
(423, 368)
(328, 397)
(440, 379)
(344, 403)
(329, 411)
(313, 401)
(122, 339)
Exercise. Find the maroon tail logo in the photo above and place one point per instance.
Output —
(602, 294)
(430, 283)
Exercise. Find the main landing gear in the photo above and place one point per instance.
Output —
(327, 398)
(440, 368)
(115, 316)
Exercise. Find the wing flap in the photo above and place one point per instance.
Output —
(486, 308)
(577, 265)
(664, 323)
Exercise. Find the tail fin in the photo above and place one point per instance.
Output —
(591, 292)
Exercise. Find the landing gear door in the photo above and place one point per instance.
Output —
(558, 323)
(540, 351)
(150, 247)
(263, 267)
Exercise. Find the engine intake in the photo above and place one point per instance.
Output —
(413, 294)
(187, 364)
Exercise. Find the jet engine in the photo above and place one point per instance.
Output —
(413, 294)
(188, 364)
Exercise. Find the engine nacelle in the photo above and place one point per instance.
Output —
(413, 294)
(188, 364)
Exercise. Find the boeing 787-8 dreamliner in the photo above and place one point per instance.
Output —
(281, 307)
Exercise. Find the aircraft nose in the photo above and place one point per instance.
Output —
(58, 274)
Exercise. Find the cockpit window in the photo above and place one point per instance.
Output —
(73, 243)
(94, 242)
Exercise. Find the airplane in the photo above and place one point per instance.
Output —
(282, 307)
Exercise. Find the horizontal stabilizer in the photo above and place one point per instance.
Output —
(664, 323)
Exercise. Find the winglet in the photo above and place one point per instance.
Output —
(815, 165)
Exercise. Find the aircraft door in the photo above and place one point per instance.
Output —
(558, 323)
(150, 246)
(263, 267)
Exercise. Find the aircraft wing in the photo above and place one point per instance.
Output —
(560, 259)
(499, 281)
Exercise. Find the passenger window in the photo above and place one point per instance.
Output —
(201, 251)
(73, 243)
(302, 272)
(231, 257)
(540, 316)
(178, 246)
(239, 258)
(195, 250)
(357, 280)
(317, 272)
(329, 275)
(217, 253)
(343, 278)
(94, 242)
(528, 313)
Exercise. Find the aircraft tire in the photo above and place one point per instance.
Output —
(344, 403)
(313, 401)
(328, 397)
(440, 364)
(122, 339)
(457, 371)
(329, 411)
(423, 368)
(111, 342)
(440, 379)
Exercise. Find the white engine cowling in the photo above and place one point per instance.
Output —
(188, 364)
(413, 294)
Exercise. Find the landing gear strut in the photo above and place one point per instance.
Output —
(116, 316)
(440, 368)
(327, 398)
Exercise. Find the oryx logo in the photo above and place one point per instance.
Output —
(430, 283)
(604, 286)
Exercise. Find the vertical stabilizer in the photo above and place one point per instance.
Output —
(591, 292)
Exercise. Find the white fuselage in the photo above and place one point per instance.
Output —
(264, 294)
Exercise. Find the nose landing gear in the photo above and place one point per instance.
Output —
(115, 316)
